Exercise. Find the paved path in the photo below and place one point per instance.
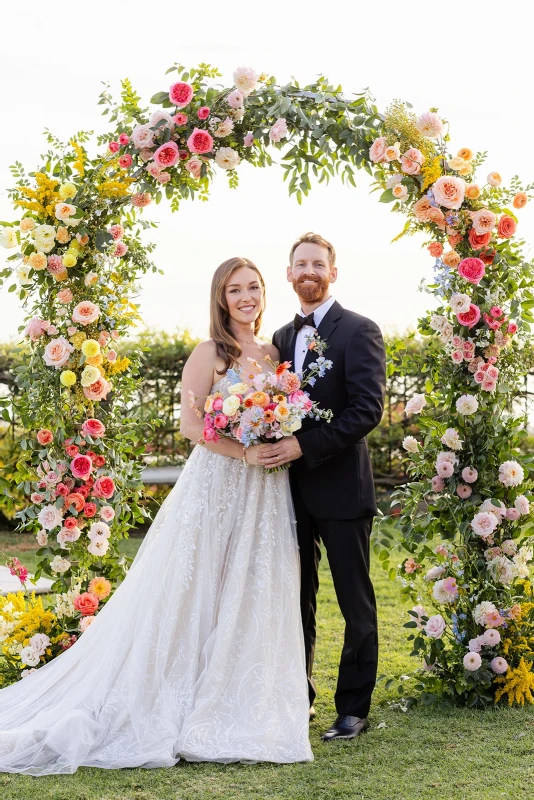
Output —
(10, 583)
(161, 474)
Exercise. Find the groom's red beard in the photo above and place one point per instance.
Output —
(311, 292)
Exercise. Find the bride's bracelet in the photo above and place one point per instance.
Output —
(244, 458)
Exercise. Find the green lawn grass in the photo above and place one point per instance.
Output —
(419, 755)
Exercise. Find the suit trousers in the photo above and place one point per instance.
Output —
(347, 547)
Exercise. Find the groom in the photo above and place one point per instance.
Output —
(331, 478)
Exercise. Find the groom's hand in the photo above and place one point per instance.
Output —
(274, 455)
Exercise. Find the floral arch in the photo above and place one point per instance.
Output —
(465, 518)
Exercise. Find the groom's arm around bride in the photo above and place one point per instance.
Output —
(331, 477)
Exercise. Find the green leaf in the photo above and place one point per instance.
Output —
(387, 196)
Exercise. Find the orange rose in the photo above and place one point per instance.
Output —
(487, 256)
(75, 499)
(421, 208)
(451, 259)
(436, 216)
(506, 227)
(466, 153)
(454, 239)
(520, 200)
(260, 399)
(435, 249)
(86, 603)
(478, 240)
(472, 191)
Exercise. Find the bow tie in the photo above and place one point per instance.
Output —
(299, 322)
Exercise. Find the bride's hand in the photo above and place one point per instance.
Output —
(252, 455)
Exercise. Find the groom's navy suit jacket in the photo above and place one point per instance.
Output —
(334, 475)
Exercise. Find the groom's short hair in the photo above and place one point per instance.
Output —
(314, 238)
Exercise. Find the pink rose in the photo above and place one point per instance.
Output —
(181, 94)
(64, 296)
(57, 352)
(89, 510)
(180, 119)
(81, 467)
(145, 154)
(512, 328)
(435, 627)
(94, 428)
(34, 329)
(200, 142)
(512, 514)
(220, 421)
(45, 436)
(472, 269)
(457, 356)
(117, 231)
(114, 147)
(142, 136)
(163, 177)
(506, 227)
(449, 191)
(203, 112)
(218, 404)
(125, 161)
(35, 497)
(141, 199)
(469, 318)
(210, 435)
(107, 513)
(483, 222)
(411, 161)
(86, 603)
(377, 152)
(85, 312)
(194, 166)
(248, 140)
(279, 130)
(166, 155)
(120, 250)
(97, 390)
(489, 385)
(112, 355)
(104, 487)
(124, 139)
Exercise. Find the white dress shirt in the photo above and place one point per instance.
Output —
(300, 344)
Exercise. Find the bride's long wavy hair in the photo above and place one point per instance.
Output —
(220, 331)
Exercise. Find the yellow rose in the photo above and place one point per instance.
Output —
(67, 377)
(460, 165)
(89, 375)
(37, 260)
(230, 405)
(288, 428)
(239, 388)
(281, 412)
(27, 224)
(69, 260)
(90, 348)
(67, 190)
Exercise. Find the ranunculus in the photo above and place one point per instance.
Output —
(472, 269)
(166, 155)
(86, 603)
(469, 318)
(279, 130)
(472, 191)
(430, 124)
(435, 626)
(472, 661)
(104, 487)
(435, 249)
(519, 201)
(377, 151)
(227, 158)
(181, 94)
(200, 142)
(499, 665)
(94, 428)
(415, 404)
(246, 80)
(506, 227)
(57, 352)
(494, 179)
(411, 161)
(449, 191)
(451, 259)
(469, 475)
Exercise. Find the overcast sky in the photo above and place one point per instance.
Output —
(472, 61)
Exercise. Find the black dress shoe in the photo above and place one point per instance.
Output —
(346, 727)
(312, 713)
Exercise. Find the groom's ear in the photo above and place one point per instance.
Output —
(333, 274)
(289, 273)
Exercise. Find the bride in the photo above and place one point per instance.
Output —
(199, 654)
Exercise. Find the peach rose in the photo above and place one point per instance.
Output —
(377, 152)
(520, 200)
(400, 192)
(451, 259)
(86, 603)
(472, 191)
(483, 220)
(435, 249)
(421, 209)
(392, 152)
(85, 312)
(412, 161)
(494, 179)
(64, 296)
(98, 390)
(466, 153)
(94, 428)
(44, 436)
(57, 352)
(449, 191)
(454, 238)
(436, 216)
(506, 227)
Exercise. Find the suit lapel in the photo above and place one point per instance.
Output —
(327, 327)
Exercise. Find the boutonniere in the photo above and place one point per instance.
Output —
(316, 344)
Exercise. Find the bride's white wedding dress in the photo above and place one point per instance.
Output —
(198, 655)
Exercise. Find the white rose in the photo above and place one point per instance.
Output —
(59, 564)
(98, 546)
(437, 321)
(227, 158)
(42, 538)
(89, 375)
(29, 656)
(511, 473)
(22, 274)
(238, 388)
(410, 444)
(49, 517)
(290, 427)
(435, 627)
(522, 505)
(99, 529)
(231, 405)
(245, 80)
(484, 524)
(460, 303)
(415, 405)
(451, 438)
(39, 642)
(142, 136)
(8, 237)
(279, 130)
(393, 180)
(64, 210)
(224, 128)
(467, 404)
(44, 237)
(400, 192)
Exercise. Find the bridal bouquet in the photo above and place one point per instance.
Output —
(273, 406)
